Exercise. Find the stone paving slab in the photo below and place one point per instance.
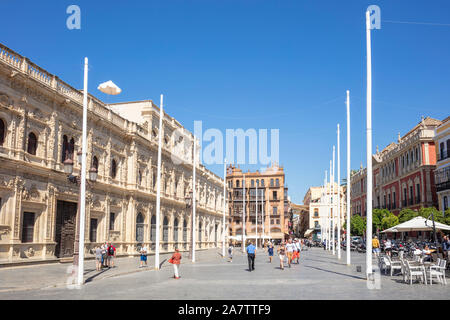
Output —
(320, 275)
(31, 277)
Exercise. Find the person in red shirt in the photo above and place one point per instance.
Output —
(175, 261)
(111, 251)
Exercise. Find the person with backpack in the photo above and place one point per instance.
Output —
(175, 261)
(111, 255)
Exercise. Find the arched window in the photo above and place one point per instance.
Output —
(32, 143)
(71, 148)
(165, 229)
(140, 227)
(271, 182)
(65, 149)
(277, 182)
(253, 183)
(139, 177)
(113, 169)
(184, 230)
(175, 230)
(95, 163)
(262, 182)
(153, 229)
(237, 183)
(199, 231)
(2, 132)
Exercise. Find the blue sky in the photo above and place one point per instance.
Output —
(253, 64)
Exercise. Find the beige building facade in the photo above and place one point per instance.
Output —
(442, 172)
(40, 127)
(273, 204)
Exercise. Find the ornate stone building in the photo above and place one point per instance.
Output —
(40, 127)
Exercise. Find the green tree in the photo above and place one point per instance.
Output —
(389, 221)
(426, 213)
(447, 216)
(377, 217)
(357, 225)
(406, 215)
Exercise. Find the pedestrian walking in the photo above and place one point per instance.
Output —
(175, 261)
(270, 251)
(290, 247)
(98, 258)
(104, 255)
(298, 248)
(388, 247)
(375, 246)
(230, 252)
(143, 253)
(251, 256)
(111, 255)
(282, 254)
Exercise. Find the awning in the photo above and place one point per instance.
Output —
(308, 232)
(417, 224)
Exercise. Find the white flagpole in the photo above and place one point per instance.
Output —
(244, 222)
(333, 203)
(263, 218)
(369, 270)
(224, 204)
(80, 272)
(194, 195)
(339, 194)
(324, 193)
(256, 216)
(348, 179)
(329, 210)
(158, 186)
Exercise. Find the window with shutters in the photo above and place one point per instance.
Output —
(28, 226)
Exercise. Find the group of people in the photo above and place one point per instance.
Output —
(104, 256)
(289, 250)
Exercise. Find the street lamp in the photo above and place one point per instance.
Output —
(188, 200)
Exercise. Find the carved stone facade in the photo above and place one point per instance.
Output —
(34, 190)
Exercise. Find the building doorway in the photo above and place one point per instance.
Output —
(66, 213)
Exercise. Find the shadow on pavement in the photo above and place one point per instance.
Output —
(339, 273)
(95, 275)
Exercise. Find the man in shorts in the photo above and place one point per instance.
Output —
(290, 247)
(143, 256)
(281, 254)
(98, 258)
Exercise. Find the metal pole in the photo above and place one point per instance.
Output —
(329, 210)
(369, 270)
(256, 216)
(263, 218)
(348, 179)
(224, 204)
(158, 186)
(243, 220)
(339, 194)
(333, 209)
(83, 179)
(193, 200)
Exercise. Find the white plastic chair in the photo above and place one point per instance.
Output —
(438, 270)
(417, 271)
(395, 265)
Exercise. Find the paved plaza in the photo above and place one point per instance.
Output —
(318, 276)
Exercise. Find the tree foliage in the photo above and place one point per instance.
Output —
(407, 214)
(357, 225)
(389, 221)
